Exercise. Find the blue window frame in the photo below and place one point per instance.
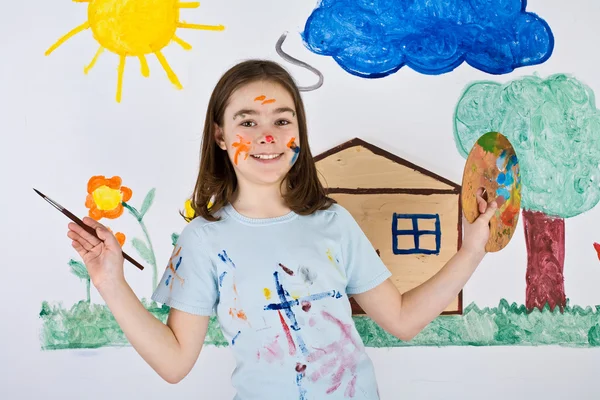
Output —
(416, 233)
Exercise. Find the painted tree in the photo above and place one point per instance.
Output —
(554, 127)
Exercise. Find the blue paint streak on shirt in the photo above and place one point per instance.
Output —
(235, 337)
(221, 278)
(295, 302)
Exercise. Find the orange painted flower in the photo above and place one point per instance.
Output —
(105, 197)
(120, 237)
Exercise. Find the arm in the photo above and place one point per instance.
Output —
(171, 349)
(405, 315)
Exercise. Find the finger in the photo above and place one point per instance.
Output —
(82, 242)
(481, 201)
(98, 227)
(107, 237)
(79, 234)
(91, 222)
(83, 233)
(83, 253)
(481, 204)
(489, 213)
(79, 248)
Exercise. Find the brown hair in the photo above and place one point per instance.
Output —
(216, 177)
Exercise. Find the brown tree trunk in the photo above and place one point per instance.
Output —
(545, 240)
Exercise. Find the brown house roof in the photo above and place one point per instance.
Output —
(453, 187)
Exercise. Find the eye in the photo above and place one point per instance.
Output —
(282, 122)
(248, 124)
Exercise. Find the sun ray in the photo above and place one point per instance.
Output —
(182, 42)
(67, 36)
(202, 27)
(93, 62)
(120, 78)
(188, 4)
(172, 77)
(135, 31)
(144, 66)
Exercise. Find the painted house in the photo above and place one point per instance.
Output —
(411, 216)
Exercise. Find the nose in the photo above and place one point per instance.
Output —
(267, 139)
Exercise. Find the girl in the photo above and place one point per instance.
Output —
(273, 257)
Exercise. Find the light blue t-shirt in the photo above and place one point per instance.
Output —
(280, 287)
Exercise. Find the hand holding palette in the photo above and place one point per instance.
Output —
(493, 165)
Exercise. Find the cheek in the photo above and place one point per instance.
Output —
(240, 148)
(293, 147)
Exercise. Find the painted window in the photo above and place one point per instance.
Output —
(416, 234)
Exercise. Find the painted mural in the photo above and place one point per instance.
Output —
(373, 39)
(135, 28)
(552, 124)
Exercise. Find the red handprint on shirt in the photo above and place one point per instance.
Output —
(338, 358)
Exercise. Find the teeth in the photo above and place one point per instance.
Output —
(266, 156)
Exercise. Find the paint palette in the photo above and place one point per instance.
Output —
(493, 165)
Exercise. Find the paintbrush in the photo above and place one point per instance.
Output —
(79, 222)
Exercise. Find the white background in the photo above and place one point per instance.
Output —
(60, 127)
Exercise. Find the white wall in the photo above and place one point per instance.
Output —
(60, 127)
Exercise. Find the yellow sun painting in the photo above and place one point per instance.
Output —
(135, 28)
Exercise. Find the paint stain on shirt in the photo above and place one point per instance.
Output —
(267, 293)
(333, 261)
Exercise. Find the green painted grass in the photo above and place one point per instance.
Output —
(89, 326)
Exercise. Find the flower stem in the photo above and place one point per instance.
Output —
(153, 261)
(87, 284)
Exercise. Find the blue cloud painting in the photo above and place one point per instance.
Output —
(375, 38)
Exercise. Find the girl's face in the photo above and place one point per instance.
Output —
(260, 132)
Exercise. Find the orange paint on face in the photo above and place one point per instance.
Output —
(262, 98)
(241, 147)
(294, 147)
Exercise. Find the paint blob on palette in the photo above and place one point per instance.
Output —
(493, 165)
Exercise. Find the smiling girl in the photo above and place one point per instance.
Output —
(273, 257)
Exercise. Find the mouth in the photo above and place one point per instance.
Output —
(266, 157)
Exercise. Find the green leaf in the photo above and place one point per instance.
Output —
(147, 202)
(79, 269)
(174, 238)
(143, 250)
